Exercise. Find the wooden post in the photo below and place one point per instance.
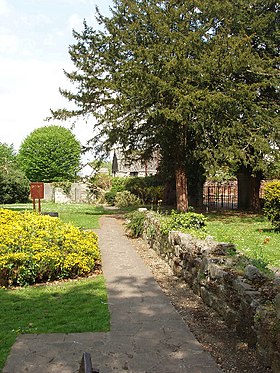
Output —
(37, 192)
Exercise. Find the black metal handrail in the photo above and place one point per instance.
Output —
(86, 365)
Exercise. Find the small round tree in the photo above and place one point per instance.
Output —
(50, 153)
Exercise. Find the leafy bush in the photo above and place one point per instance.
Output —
(272, 202)
(98, 185)
(118, 185)
(148, 189)
(35, 248)
(135, 223)
(126, 199)
(189, 222)
(153, 194)
(14, 187)
(102, 181)
(110, 197)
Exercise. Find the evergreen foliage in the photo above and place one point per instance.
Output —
(190, 222)
(197, 80)
(50, 153)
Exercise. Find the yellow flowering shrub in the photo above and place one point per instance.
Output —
(36, 248)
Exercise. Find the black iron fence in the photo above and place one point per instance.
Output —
(223, 195)
(220, 195)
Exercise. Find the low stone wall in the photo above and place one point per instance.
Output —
(78, 193)
(247, 300)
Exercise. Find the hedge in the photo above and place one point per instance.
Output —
(35, 248)
(272, 202)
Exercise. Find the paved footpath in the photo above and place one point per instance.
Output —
(147, 334)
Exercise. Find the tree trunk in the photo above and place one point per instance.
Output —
(195, 193)
(169, 195)
(254, 192)
(195, 182)
(181, 189)
(248, 189)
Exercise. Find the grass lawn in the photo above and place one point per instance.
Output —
(60, 307)
(81, 215)
(64, 307)
(252, 234)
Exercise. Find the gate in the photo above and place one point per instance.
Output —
(220, 195)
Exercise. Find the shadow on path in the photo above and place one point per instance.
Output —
(147, 334)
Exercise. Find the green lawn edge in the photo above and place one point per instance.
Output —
(73, 306)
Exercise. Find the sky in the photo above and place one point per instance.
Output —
(34, 40)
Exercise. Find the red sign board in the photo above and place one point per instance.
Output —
(37, 190)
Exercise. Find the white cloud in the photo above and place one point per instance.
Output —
(36, 20)
(9, 43)
(28, 89)
(15, 45)
(34, 38)
(72, 2)
(50, 40)
(4, 8)
(75, 22)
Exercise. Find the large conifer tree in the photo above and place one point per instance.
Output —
(247, 50)
(179, 76)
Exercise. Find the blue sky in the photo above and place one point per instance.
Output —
(34, 40)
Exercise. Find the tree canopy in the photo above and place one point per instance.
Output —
(50, 153)
(197, 80)
(7, 157)
(14, 186)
